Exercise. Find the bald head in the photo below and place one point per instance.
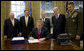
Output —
(11, 15)
(43, 14)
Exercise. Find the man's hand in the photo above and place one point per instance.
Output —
(41, 39)
(5, 37)
(31, 38)
(77, 37)
(20, 34)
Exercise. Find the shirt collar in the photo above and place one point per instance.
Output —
(43, 19)
(71, 12)
(58, 15)
(11, 19)
(26, 16)
(38, 29)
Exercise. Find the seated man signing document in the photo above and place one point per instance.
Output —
(41, 33)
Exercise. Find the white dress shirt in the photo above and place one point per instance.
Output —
(43, 19)
(26, 20)
(12, 20)
(57, 16)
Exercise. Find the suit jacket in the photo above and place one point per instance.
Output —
(47, 24)
(58, 25)
(44, 33)
(26, 30)
(9, 29)
(74, 23)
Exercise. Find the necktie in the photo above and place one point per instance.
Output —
(39, 34)
(43, 21)
(56, 17)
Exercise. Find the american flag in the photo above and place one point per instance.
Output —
(30, 10)
(67, 6)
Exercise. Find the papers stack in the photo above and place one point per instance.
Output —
(17, 38)
(34, 41)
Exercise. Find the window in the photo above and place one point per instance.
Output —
(18, 7)
(47, 6)
(78, 4)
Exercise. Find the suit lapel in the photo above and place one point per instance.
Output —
(41, 32)
(45, 19)
(24, 20)
(58, 19)
(28, 21)
(36, 32)
(14, 22)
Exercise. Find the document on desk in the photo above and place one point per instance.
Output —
(17, 38)
(34, 41)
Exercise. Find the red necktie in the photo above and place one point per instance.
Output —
(39, 34)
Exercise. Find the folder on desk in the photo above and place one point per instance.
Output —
(34, 41)
(17, 40)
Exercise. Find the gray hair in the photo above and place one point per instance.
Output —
(40, 21)
(55, 8)
(11, 13)
(42, 12)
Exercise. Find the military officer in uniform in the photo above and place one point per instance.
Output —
(73, 23)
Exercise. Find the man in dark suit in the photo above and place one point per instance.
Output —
(26, 24)
(40, 32)
(58, 21)
(46, 21)
(10, 27)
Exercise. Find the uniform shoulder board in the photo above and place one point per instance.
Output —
(75, 14)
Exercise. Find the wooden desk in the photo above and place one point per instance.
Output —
(45, 45)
